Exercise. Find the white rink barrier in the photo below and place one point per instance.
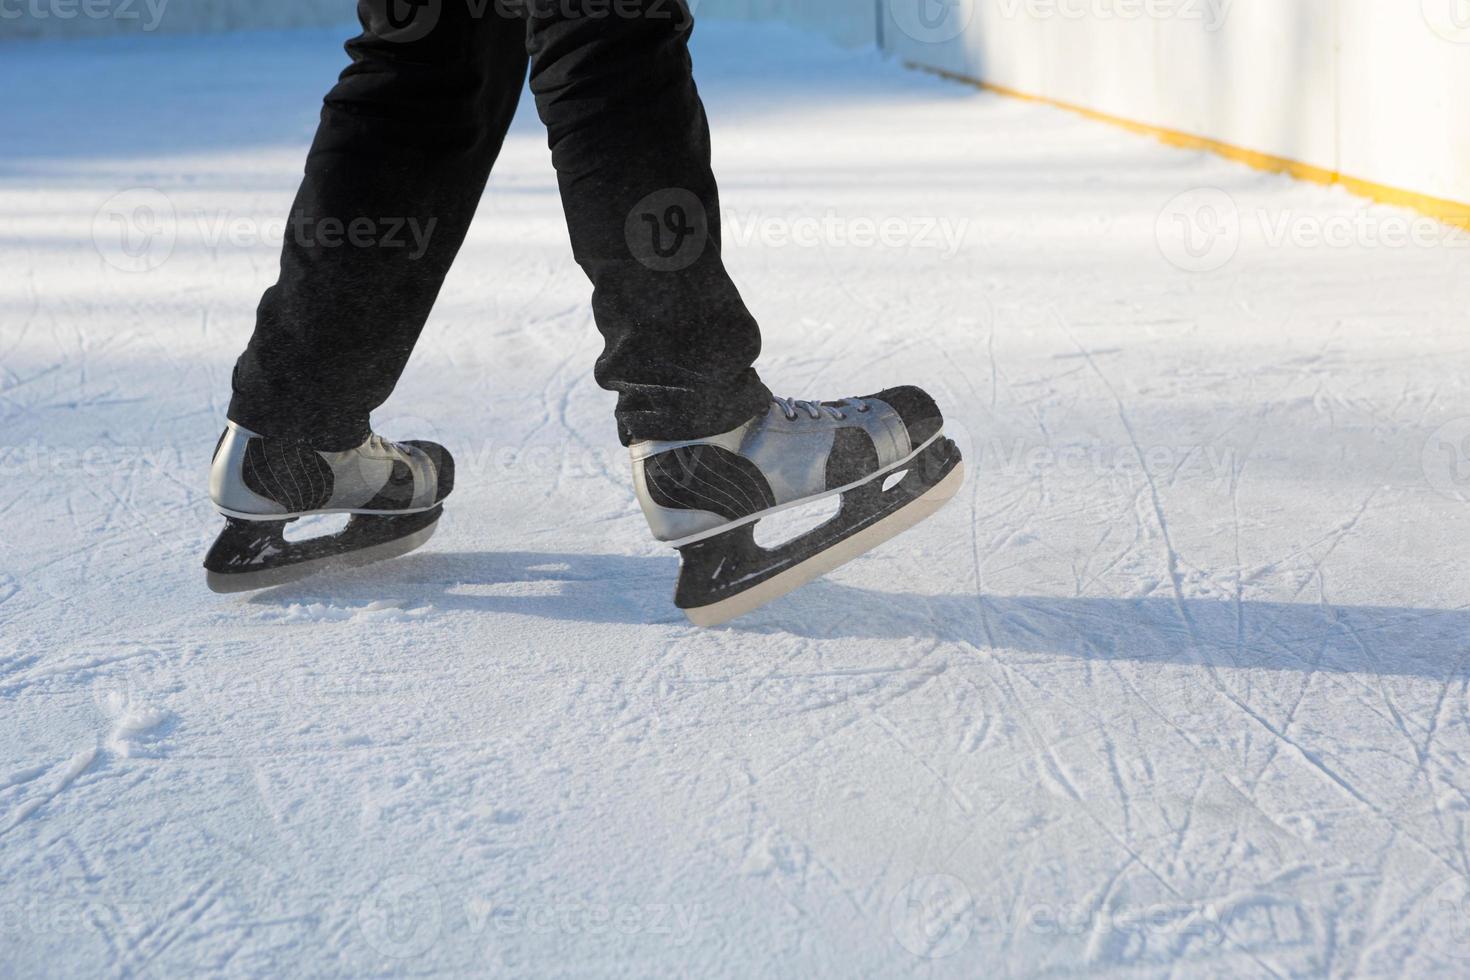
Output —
(1367, 93)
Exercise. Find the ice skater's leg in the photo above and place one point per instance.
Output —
(406, 143)
(713, 453)
(631, 146)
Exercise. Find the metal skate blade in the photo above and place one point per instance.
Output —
(265, 578)
(839, 554)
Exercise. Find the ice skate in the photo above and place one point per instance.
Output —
(394, 492)
(886, 455)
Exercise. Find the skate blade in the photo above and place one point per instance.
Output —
(839, 554)
(227, 583)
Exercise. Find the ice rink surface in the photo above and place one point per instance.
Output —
(1177, 687)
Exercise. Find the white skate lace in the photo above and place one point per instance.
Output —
(814, 409)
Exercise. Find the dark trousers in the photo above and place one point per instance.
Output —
(405, 146)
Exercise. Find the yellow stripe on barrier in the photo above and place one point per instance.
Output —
(1451, 212)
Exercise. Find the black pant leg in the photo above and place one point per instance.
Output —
(630, 142)
(406, 143)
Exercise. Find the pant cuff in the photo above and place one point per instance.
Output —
(316, 429)
(680, 413)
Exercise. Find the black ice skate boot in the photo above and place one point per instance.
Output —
(886, 454)
(394, 492)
